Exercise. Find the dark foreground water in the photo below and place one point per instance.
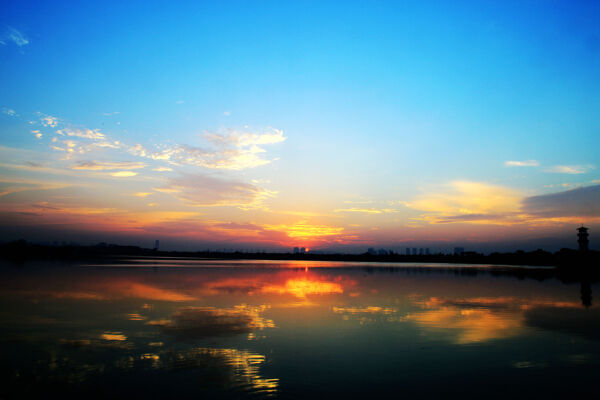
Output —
(186, 329)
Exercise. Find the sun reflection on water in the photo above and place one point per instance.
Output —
(304, 286)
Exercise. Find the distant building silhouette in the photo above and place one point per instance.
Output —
(296, 250)
(582, 238)
(408, 251)
(414, 251)
(156, 243)
(458, 251)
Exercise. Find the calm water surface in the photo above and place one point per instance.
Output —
(162, 328)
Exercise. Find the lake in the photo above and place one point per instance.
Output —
(180, 328)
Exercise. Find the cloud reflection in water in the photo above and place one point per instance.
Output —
(480, 319)
(199, 322)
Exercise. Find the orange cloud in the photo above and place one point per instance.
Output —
(471, 202)
(124, 174)
(305, 230)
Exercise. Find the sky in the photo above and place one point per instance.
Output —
(335, 126)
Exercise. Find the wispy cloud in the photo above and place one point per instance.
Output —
(93, 134)
(580, 202)
(9, 111)
(366, 210)
(358, 201)
(245, 139)
(570, 169)
(526, 163)
(203, 190)
(233, 159)
(235, 150)
(39, 168)
(14, 185)
(100, 166)
(48, 120)
(142, 194)
(464, 201)
(11, 35)
(480, 203)
(124, 174)
(231, 150)
(467, 197)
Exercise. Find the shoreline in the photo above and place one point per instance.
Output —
(566, 265)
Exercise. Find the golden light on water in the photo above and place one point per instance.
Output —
(114, 336)
(364, 310)
(470, 325)
(303, 287)
(479, 319)
(246, 366)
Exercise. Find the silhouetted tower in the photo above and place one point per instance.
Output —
(582, 238)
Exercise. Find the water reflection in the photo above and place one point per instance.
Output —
(114, 336)
(586, 294)
(233, 331)
(480, 319)
(579, 322)
(304, 286)
(229, 367)
(198, 322)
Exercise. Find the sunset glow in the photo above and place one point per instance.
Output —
(303, 287)
(306, 138)
(299, 199)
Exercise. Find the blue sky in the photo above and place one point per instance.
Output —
(384, 103)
